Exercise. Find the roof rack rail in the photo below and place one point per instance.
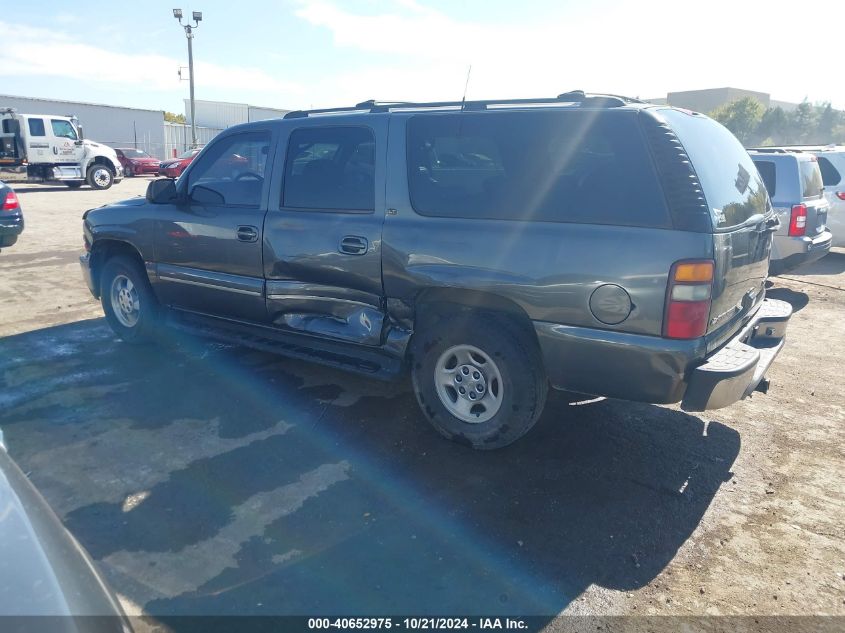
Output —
(771, 150)
(372, 105)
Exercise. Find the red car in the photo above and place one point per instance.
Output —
(173, 167)
(136, 162)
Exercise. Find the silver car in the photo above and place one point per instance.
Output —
(794, 183)
(832, 165)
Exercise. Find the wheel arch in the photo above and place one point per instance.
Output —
(433, 303)
(104, 249)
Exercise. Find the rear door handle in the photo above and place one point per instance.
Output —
(354, 245)
(247, 233)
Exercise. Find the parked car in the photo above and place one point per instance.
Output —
(591, 242)
(795, 186)
(136, 161)
(173, 168)
(44, 571)
(832, 166)
(11, 216)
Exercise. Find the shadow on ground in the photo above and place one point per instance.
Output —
(831, 264)
(214, 480)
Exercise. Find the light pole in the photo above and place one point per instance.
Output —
(189, 33)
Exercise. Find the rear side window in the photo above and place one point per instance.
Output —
(767, 172)
(330, 169)
(830, 175)
(570, 166)
(732, 185)
(812, 185)
(36, 127)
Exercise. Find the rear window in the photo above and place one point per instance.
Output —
(36, 127)
(812, 185)
(767, 171)
(830, 175)
(588, 167)
(732, 185)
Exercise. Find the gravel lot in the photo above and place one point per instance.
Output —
(210, 479)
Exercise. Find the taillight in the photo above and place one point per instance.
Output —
(840, 195)
(798, 220)
(688, 299)
(11, 202)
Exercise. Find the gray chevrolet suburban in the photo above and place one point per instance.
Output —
(591, 243)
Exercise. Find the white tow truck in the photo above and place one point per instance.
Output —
(50, 148)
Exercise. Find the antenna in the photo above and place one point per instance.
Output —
(466, 85)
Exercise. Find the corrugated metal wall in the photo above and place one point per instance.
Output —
(111, 125)
(220, 114)
(177, 137)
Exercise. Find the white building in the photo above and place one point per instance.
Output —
(115, 126)
(222, 114)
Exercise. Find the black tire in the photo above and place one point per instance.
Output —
(515, 356)
(100, 176)
(145, 327)
(73, 185)
(128, 172)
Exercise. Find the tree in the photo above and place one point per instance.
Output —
(170, 117)
(829, 120)
(803, 121)
(741, 117)
(772, 127)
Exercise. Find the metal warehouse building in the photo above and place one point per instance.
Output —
(111, 125)
(222, 114)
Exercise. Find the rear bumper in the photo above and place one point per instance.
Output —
(663, 371)
(10, 227)
(737, 369)
(797, 251)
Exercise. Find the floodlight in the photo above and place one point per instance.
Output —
(197, 16)
(177, 13)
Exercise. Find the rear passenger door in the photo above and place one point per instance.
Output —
(322, 246)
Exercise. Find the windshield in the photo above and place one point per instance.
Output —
(135, 153)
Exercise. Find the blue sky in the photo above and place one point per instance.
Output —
(303, 53)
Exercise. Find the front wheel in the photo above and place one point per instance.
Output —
(100, 176)
(479, 379)
(128, 301)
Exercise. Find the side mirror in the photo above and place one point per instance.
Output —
(162, 191)
(80, 132)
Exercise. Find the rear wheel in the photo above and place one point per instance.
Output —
(128, 301)
(129, 172)
(479, 379)
(100, 176)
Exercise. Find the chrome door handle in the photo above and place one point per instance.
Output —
(354, 245)
(247, 234)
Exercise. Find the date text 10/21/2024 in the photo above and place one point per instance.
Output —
(422, 623)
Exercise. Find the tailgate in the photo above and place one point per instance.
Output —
(742, 264)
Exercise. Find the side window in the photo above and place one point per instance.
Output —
(63, 129)
(830, 175)
(584, 167)
(330, 168)
(231, 171)
(36, 127)
(767, 173)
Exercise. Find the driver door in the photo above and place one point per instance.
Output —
(208, 247)
(67, 148)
